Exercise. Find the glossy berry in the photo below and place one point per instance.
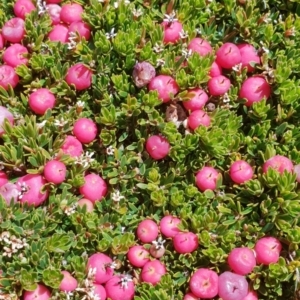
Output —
(165, 85)
(185, 242)
(94, 187)
(267, 250)
(240, 171)
(55, 171)
(41, 100)
(241, 260)
(204, 283)
(80, 76)
(254, 89)
(206, 179)
(157, 146)
(147, 231)
(228, 55)
(279, 163)
(85, 130)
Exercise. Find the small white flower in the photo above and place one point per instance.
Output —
(69, 295)
(137, 12)
(265, 49)
(267, 19)
(183, 34)
(41, 125)
(110, 150)
(159, 244)
(80, 104)
(60, 123)
(111, 34)
(158, 48)
(187, 53)
(1, 166)
(160, 62)
(171, 17)
(226, 98)
(292, 31)
(41, 7)
(64, 262)
(71, 209)
(116, 196)
(237, 68)
(198, 31)
(124, 281)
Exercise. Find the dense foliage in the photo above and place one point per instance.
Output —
(60, 235)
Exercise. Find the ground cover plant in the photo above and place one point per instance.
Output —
(149, 149)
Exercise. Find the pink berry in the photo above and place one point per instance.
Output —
(5, 114)
(143, 73)
(267, 250)
(171, 31)
(71, 12)
(190, 296)
(204, 283)
(94, 188)
(8, 76)
(41, 100)
(120, 287)
(55, 171)
(296, 170)
(279, 163)
(80, 76)
(232, 286)
(228, 55)
(197, 100)
(218, 85)
(185, 242)
(53, 1)
(147, 231)
(23, 7)
(102, 263)
(85, 130)
(254, 89)
(59, 33)
(99, 291)
(72, 146)
(206, 179)
(157, 146)
(153, 271)
(68, 283)
(252, 295)
(2, 42)
(249, 55)
(30, 187)
(138, 256)
(165, 86)
(3, 178)
(81, 28)
(10, 192)
(200, 46)
(15, 55)
(241, 260)
(240, 171)
(14, 30)
(54, 13)
(40, 293)
(215, 70)
(197, 118)
(87, 203)
(169, 226)
(157, 251)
